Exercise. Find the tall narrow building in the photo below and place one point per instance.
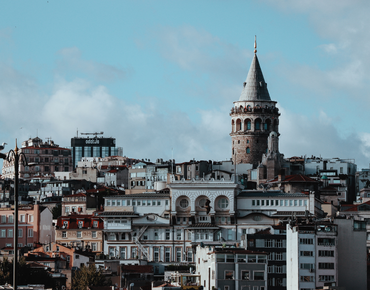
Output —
(253, 118)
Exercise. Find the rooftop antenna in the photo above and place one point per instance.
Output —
(255, 44)
(172, 162)
(77, 132)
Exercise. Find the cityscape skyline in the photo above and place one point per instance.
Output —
(164, 78)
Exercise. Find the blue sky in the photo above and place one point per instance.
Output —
(159, 75)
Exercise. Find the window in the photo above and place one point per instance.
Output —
(229, 275)
(307, 266)
(64, 234)
(167, 256)
(168, 234)
(79, 234)
(178, 255)
(30, 233)
(305, 241)
(156, 254)
(10, 233)
(245, 275)
(20, 233)
(326, 242)
(93, 234)
(122, 252)
(248, 150)
(3, 233)
(134, 253)
(178, 234)
(22, 218)
(190, 256)
(80, 224)
(326, 265)
(307, 253)
(230, 235)
(251, 258)
(223, 203)
(10, 219)
(3, 219)
(306, 278)
(94, 247)
(95, 224)
(326, 253)
(184, 203)
(326, 278)
(258, 275)
(253, 202)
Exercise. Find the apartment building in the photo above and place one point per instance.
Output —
(34, 226)
(45, 158)
(230, 268)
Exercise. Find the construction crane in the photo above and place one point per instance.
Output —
(96, 134)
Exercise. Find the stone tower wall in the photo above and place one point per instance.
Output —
(250, 140)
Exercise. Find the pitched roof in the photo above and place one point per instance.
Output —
(88, 222)
(255, 87)
(296, 178)
(358, 207)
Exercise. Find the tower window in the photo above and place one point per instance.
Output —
(247, 141)
(238, 141)
(258, 125)
(233, 151)
(248, 150)
(265, 126)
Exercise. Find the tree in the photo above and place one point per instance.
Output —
(88, 276)
(57, 211)
(25, 274)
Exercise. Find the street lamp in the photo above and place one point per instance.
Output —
(15, 155)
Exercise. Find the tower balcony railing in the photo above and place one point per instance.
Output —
(256, 110)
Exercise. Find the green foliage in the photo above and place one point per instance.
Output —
(57, 211)
(26, 274)
(88, 276)
(6, 271)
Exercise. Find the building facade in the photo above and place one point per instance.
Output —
(92, 147)
(45, 158)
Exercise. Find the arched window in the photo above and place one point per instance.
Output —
(249, 125)
(238, 125)
(248, 150)
(223, 203)
(184, 203)
(258, 125)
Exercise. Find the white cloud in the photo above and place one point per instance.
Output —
(317, 136)
(71, 60)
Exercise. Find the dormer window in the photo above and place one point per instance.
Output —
(65, 224)
(80, 224)
(95, 224)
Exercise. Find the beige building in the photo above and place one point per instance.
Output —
(80, 231)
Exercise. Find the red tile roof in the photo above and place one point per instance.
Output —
(74, 219)
(76, 195)
(295, 178)
(355, 207)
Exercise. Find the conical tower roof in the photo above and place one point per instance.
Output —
(255, 87)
